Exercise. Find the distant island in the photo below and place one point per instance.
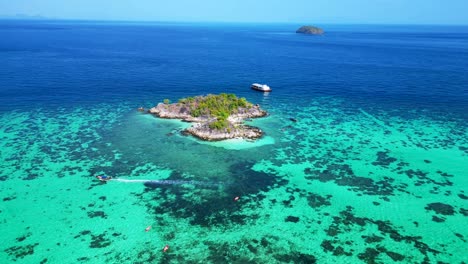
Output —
(311, 30)
(216, 117)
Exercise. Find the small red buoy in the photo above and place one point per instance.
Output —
(148, 228)
(166, 248)
(236, 198)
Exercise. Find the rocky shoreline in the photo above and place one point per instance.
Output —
(202, 127)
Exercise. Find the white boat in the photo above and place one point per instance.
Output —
(261, 87)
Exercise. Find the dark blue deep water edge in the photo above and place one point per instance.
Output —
(61, 62)
(373, 171)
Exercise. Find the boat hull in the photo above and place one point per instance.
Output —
(260, 89)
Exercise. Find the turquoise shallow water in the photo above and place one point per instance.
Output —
(340, 185)
(373, 171)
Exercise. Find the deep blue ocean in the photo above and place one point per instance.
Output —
(364, 156)
(72, 62)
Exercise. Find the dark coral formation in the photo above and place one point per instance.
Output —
(19, 252)
(347, 221)
(92, 214)
(383, 159)
(97, 241)
(293, 219)
(343, 175)
(441, 208)
(316, 201)
(216, 208)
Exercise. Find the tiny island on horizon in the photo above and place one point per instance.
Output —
(215, 117)
(310, 30)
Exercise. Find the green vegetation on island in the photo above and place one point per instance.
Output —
(310, 30)
(220, 106)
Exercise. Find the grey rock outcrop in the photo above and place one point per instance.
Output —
(310, 30)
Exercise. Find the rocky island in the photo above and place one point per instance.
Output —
(215, 117)
(311, 30)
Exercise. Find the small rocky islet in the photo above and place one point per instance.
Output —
(310, 30)
(215, 117)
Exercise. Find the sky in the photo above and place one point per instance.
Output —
(263, 11)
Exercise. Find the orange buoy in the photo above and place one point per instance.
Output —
(148, 228)
(166, 248)
(236, 198)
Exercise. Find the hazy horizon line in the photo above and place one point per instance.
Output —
(20, 17)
